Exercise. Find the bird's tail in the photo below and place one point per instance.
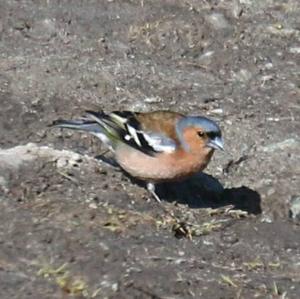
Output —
(104, 126)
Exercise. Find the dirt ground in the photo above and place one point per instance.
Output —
(74, 225)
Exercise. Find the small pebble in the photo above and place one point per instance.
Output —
(295, 50)
(93, 206)
(218, 21)
(217, 111)
(294, 211)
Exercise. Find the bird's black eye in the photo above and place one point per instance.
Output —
(200, 133)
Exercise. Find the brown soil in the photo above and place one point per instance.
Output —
(73, 225)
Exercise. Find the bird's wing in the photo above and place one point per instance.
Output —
(152, 132)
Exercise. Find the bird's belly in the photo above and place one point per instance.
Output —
(163, 167)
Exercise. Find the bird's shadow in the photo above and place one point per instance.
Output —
(203, 191)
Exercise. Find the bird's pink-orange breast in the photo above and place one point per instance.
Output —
(164, 166)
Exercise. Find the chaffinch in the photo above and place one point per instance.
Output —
(156, 146)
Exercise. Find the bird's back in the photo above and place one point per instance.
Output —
(162, 122)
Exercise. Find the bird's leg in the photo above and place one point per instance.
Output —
(151, 189)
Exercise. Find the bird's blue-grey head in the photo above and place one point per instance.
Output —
(208, 129)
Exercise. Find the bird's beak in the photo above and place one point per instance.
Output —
(216, 143)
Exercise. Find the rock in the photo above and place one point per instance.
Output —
(14, 157)
(43, 29)
(287, 143)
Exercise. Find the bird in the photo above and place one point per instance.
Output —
(154, 147)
